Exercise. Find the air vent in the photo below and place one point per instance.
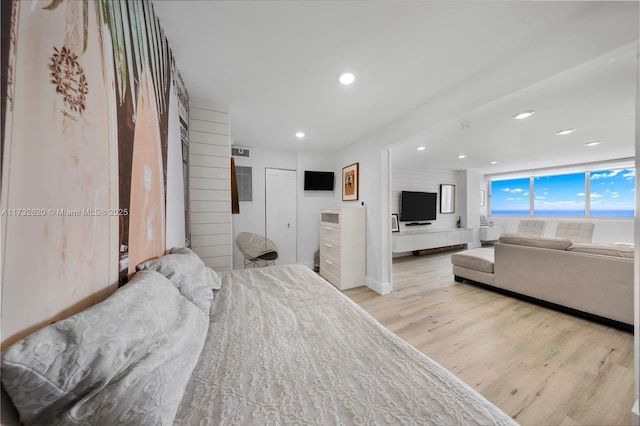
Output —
(240, 152)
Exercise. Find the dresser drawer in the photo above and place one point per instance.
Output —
(330, 250)
(330, 217)
(330, 272)
(329, 234)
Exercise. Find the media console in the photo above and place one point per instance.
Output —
(432, 238)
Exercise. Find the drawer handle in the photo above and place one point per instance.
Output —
(328, 262)
(328, 245)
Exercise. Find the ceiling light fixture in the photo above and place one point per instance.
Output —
(299, 135)
(523, 115)
(565, 132)
(346, 78)
(421, 148)
(461, 156)
(594, 143)
(493, 162)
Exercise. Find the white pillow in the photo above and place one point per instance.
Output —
(189, 274)
(111, 363)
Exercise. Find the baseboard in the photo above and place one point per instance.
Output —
(380, 288)
(635, 414)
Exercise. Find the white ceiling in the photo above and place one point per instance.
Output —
(474, 62)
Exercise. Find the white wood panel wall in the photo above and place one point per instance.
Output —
(210, 183)
(428, 180)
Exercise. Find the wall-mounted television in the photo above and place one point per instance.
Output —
(418, 206)
(318, 181)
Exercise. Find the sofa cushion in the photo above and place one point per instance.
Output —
(535, 241)
(479, 259)
(531, 227)
(615, 250)
(580, 232)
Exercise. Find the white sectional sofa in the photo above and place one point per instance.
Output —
(595, 280)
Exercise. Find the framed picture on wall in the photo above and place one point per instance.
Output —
(350, 182)
(447, 198)
(395, 225)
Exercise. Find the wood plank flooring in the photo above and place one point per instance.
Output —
(540, 366)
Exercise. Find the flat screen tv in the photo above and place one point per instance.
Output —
(418, 206)
(318, 181)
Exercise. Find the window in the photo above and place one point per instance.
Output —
(510, 197)
(602, 193)
(245, 185)
(560, 195)
(613, 193)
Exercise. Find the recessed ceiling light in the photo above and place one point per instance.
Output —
(461, 156)
(421, 148)
(299, 135)
(594, 143)
(346, 78)
(493, 162)
(523, 115)
(565, 132)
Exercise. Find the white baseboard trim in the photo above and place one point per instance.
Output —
(380, 288)
(635, 414)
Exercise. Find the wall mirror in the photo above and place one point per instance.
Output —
(447, 198)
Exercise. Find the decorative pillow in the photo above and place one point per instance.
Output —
(126, 360)
(535, 241)
(615, 250)
(188, 272)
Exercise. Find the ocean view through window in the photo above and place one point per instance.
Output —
(510, 197)
(613, 193)
(602, 193)
(560, 195)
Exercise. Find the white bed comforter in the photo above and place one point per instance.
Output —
(286, 347)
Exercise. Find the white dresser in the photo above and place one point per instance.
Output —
(342, 246)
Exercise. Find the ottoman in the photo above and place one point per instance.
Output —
(475, 265)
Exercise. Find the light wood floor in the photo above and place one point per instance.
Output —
(540, 366)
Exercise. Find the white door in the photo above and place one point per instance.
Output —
(280, 190)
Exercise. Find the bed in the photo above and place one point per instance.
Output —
(274, 345)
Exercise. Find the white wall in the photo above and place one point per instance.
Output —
(467, 202)
(374, 192)
(310, 203)
(428, 180)
(210, 182)
(252, 213)
(470, 209)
